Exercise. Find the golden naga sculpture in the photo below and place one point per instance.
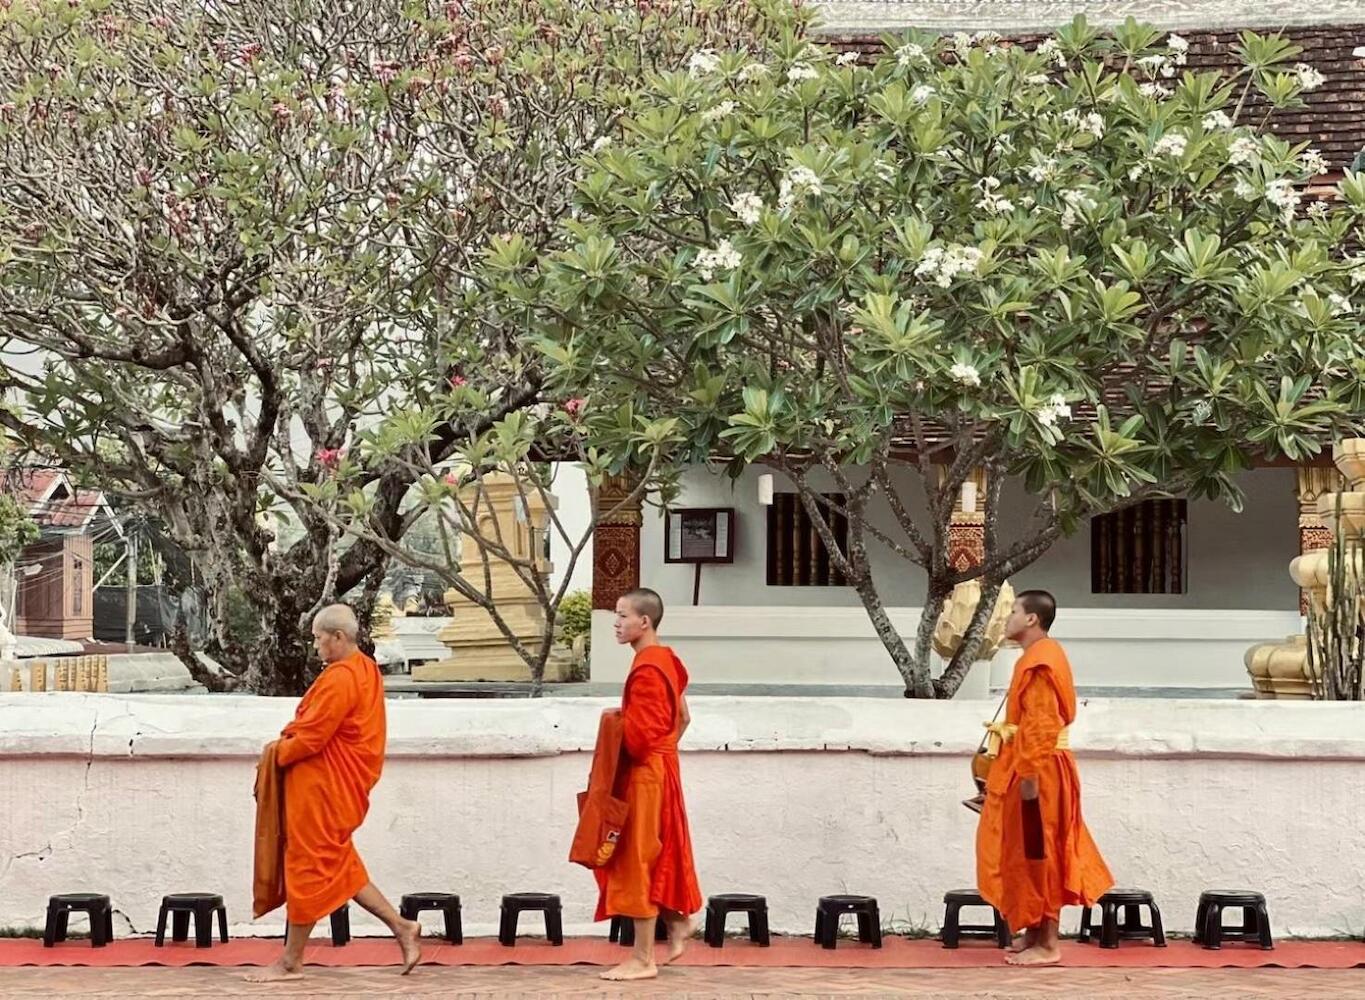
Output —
(1281, 669)
(958, 608)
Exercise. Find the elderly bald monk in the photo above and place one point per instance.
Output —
(331, 754)
(1034, 854)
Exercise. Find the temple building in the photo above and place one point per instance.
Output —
(1170, 593)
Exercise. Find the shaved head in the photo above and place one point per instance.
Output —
(646, 603)
(337, 618)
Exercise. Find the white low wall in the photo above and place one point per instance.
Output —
(831, 645)
(137, 796)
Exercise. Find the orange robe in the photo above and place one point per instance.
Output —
(1041, 702)
(652, 867)
(332, 754)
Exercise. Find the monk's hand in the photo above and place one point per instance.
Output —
(1028, 789)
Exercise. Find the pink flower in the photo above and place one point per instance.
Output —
(281, 113)
(384, 70)
(248, 53)
(451, 479)
(495, 55)
(458, 381)
(144, 177)
(328, 458)
(574, 407)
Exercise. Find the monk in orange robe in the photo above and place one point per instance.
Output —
(651, 875)
(331, 755)
(1034, 854)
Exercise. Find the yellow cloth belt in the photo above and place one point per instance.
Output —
(1000, 733)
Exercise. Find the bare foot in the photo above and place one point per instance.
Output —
(276, 973)
(1023, 942)
(679, 934)
(631, 969)
(1035, 956)
(410, 940)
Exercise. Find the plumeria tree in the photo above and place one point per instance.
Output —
(1076, 264)
(234, 237)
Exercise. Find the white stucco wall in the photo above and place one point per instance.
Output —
(137, 796)
(744, 631)
(575, 515)
(1108, 647)
(1237, 561)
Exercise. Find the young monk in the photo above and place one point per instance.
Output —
(651, 875)
(1034, 854)
(331, 755)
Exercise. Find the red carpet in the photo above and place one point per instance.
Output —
(898, 953)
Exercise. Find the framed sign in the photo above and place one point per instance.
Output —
(699, 535)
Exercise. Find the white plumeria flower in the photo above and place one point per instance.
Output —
(1038, 80)
(1243, 189)
(1318, 210)
(1092, 122)
(943, 264)
(602, 143)
(800, 182)
(1244, 149)
(966, 374)
(748, 207)
(1056, 409)
(1050, 48)
(1180, 49)
(1043, 171)
(723, 258)
(846, 59)
(921, 94)
(703, 62)
(1138, 170)
(1153, 64)
(1339, 303)
(1357, 270)
(1284, 196)
(910, 53)
(1155, 90)
(801, 71)
(1216, 120)
(722, 110)
(1314, 162)
(753, 71)
(1309, 78)
(1172, 144)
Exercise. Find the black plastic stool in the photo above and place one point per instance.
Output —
(623, 930)
(203, 906)
(444, 902)
(1208, 922)
(341, 925)
(517, 903)
(1131, 927)
(720, 907)
(831, 908)
(954, 930)
(60, 908)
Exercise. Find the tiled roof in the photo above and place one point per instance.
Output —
(1012, 16)
(1334, 117)
(74, 508)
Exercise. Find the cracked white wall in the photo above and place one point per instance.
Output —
(794, 798)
